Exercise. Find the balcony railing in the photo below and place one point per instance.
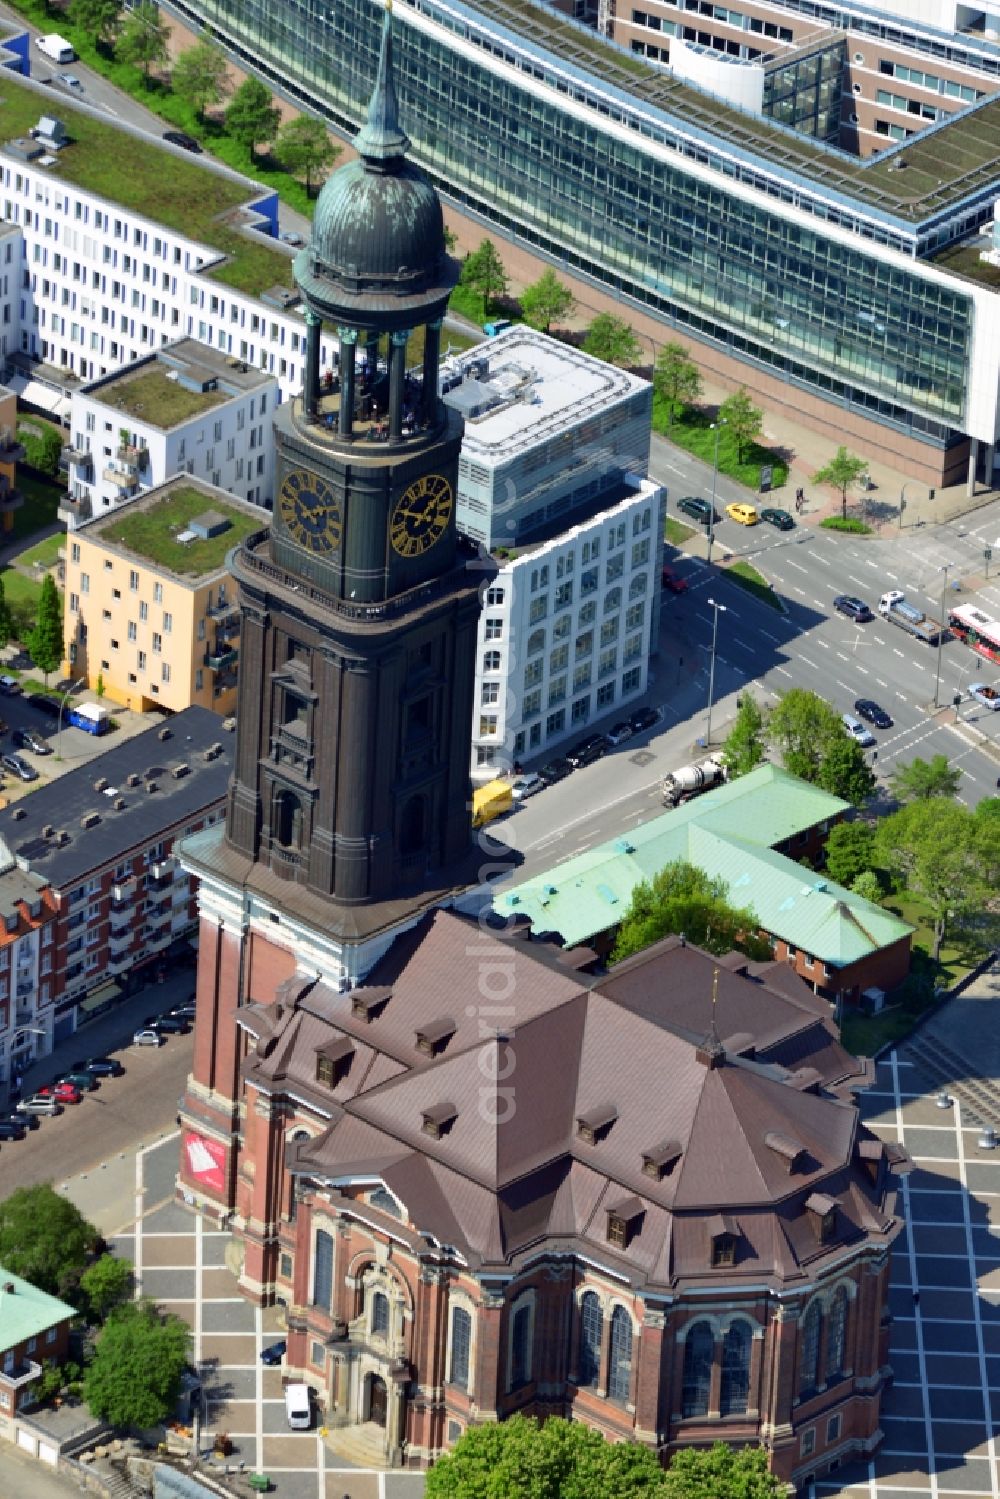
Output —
(121, 480)
(163, 869)
(124, 890)
(133, 456)
(20, 1374)
(217, 660)
(222, 609)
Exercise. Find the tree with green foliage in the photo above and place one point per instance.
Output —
(743, 419)
(721, 1472)
(200, 76)
(143, 38)
(868, 885)
(744, 746)
(850, 849)
(545, 300)
(918, 780)
(305, 150)
(844, 771)
(44, 1238)
(134, 1377)
(6, 618)
(801, 726)
(613, 340)
(42, 446)
(99, 18)
(484, 273)
(683, 898)
(555, 1460)
(842, 472)
(676, 380)
(105, 1284)
(45, 641)
(942, 853)
(252, 117)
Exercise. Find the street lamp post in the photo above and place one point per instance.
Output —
(717, 609)
(902, 502)
(62, 704)
(937, 679)
(717, 429)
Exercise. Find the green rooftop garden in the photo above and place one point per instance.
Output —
(157, 399)
(135, 173)
(150, 531)
(964, 261)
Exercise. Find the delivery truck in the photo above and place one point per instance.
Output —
(908, 617)
(490, 801)
(56, 48)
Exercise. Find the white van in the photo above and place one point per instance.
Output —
(56, 48)
(298, 1407)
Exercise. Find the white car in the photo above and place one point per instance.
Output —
(148, 1037)
(980, 692)
(857, 730)
(70, 81)
(526, 785)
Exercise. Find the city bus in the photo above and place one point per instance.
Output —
(976, 629)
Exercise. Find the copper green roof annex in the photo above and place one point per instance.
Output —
(25, 1311)
(730, 833)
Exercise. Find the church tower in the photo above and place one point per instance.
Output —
(349, 806)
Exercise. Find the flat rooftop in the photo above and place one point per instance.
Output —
(168, 187)
(178, 382)
(536, 389)
(945, 163)
(32, 826)
(150, 527)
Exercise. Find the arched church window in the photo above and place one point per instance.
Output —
(735, 1391)
(809, 1350)
(699, 1352)
(591, 1332)
(835, 1329)
(380, 1315)
(620, 1355)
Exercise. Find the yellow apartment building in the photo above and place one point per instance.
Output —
(151, 609)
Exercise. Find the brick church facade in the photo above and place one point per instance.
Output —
(481, 1175)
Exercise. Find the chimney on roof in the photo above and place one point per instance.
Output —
(120, 804)
(132, 779)
(151, 786)
(100, 783)
(9, 1288)
(592, 1126)
(438, 1119)
(48, 831)
(180, 771)
(18, 813)
(790, 1152)
(434, 1037)
(164, 733)
(90, 819)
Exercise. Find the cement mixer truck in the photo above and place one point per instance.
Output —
(691, 780)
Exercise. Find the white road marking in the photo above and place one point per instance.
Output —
(772, 638)
(784, 673)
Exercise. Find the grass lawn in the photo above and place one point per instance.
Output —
(692, 430)
(750, 579)
(46, 552)
(150, 531)
(676, 532)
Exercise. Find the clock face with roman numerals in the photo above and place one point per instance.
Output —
(421, 515)
(309, 509)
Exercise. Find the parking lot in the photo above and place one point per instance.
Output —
(70, 746)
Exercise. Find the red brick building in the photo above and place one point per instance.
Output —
(34, 1327)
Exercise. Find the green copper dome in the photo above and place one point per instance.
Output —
(378, 226)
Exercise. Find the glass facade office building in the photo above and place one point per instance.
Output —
(773, 288)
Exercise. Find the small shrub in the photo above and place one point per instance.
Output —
(846, 523)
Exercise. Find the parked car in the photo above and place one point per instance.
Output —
(591, 748)
(147, 1036)
(29, 740)
(65, 1092)
(526, 785)
(673, 581)
(19, 767)
(868, 708)
(181, 138)
(83, 1081)
(853, 608)
(698, 509)
(171, 1025)
(857, 730)
(40, 1103)
(13, 1129)
(100, 1067)
(10, 686)
(644, 718)
(620, 732)
(189, 1009)
(273, 1353)
(556, 770)
(742, 513)
(777, 517)
(988, 696)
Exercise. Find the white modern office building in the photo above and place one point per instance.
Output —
(187, 409)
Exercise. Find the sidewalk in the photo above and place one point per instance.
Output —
(811, 450)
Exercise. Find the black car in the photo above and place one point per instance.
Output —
(866, 707)
(556, 770)
(589, 749)
(779, 518)
(100, 1067)
(855, 609)
(698, 509)
(643, 718)
(180, 138)
(29, 740)
(273, 1354)
(171, 1025)
(186, 1011)
(13, 1129)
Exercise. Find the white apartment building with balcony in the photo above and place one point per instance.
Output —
(186, 409)
(27, 949)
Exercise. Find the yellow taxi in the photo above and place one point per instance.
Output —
(746, 515)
